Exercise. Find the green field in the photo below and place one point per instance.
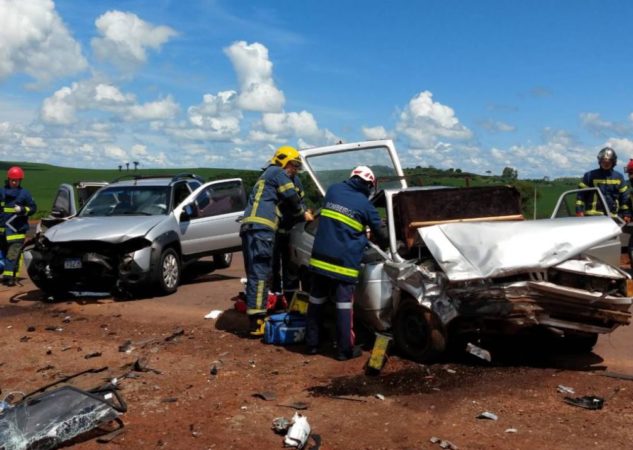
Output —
(42, 180)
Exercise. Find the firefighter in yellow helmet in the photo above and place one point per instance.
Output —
(274, 198)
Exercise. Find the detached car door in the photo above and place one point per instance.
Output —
(209, 218)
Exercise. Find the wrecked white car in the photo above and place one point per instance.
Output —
(462, 260)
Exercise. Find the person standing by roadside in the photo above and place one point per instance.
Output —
(611, 184)
(336, 257)
(273, 192)
(17, 206)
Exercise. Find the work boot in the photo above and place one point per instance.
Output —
(8, 281)
(310, 350)
(257, 323)
(355, 352)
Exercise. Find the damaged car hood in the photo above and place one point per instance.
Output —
(107, 229)
(476, 250)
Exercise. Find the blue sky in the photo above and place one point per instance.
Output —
(539, 86)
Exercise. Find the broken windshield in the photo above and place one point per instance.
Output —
(331, 168)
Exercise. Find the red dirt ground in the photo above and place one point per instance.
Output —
(185, 406)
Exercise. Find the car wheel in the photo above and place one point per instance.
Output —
(168, 272)
(417, 332)
(222, 261)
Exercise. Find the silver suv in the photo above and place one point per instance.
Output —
(135, 234)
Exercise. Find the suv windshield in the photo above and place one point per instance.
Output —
(128, 200)
(332, 168)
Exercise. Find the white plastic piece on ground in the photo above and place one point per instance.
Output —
(565, 389)
(298, 433)
(487, 415)
(213, 314)
(478, 352)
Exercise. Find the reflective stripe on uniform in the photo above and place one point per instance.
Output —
(9, 209)
(254, 219)
(328, 267)
(15, 237)
(352, 223)
(259, 296)
(345, 305)
(317, 300)
(286, 187)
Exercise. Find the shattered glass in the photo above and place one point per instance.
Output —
(48, 420)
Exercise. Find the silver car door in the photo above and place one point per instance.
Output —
(209, 217)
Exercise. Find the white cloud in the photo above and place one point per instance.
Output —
(622, 147)
(254, 72)
(33, 141)
(375, 133)
(423, 122)
(126, 38)
(598, 126)
(34, 40)
(157, 110)
(289, 124)
(497, 126)
(115, 152)
(92, 94)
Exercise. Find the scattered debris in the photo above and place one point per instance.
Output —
(66, 319)
(565, 389)
(45, 368)
(92, 355)
(487, 415)
(265, 395)
(25, 338)
(587, 402)
(511, 430)
(61, 415)
(177, 332)
(53, 328)
(140, 365)
(443, 443)
(169, 400)
(380, 396)
(478, 352)
(194, 432)
(451, 370)
(300, 406)
(109, 437)
(214, 370)
(30, 328)
(213, 314)
(298, 432)
(126, 347)
(280, 425)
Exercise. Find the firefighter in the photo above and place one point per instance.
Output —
(336, 256)
(285, 280)
(273, 191)
(612, 185)
(17, 206)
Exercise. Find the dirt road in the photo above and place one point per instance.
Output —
(202, 393)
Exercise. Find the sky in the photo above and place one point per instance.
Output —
(539, 86)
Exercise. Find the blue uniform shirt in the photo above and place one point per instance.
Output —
(340, 239)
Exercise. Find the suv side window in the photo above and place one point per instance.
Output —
(62, 201)
(181, 192)
(221, 198)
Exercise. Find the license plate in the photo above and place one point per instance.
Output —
(72, 263)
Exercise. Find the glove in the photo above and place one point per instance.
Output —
(307, 216)
(18, 209)
(580, 214)
(627, 219)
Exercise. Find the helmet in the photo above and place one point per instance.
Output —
(629, 167)
(364, 173)
(15, 173)
(284, 155)
(607, 154)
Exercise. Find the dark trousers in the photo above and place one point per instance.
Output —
(257, 246)
(322, 289)
(285, 279)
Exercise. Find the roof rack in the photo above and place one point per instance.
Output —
(176, 177)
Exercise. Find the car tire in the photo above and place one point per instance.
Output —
(417, 332)
(223, 260)
(167, 272)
